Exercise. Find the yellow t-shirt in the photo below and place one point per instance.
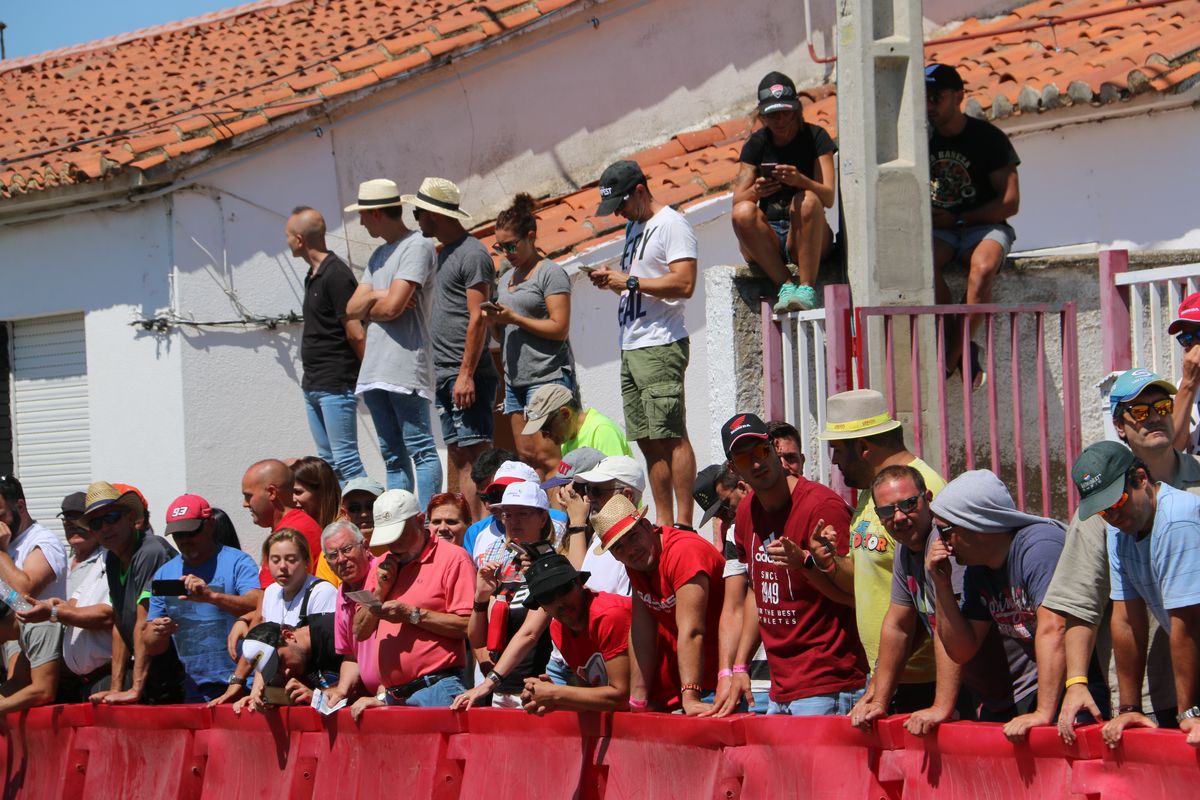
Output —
(873, 550)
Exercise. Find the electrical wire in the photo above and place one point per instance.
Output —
(163, 324)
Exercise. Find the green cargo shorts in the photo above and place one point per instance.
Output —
(652, 391)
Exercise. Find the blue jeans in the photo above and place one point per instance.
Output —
(464, 427)
(440, 695)
(334, 426)
(406, 441)
(821, 705)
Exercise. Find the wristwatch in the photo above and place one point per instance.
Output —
(54, 613)
(1191, 713)
(633, 283)
(414, 616)
(236, 680)
(495, 677)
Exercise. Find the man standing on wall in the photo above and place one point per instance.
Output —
(658, 273)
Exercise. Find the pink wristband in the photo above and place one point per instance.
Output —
(638, 705)
(725, 673)
(741, 669)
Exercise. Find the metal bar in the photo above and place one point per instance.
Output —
(889, 346)
(819, 385)
(914, 338)
(1173, 351)
(1072, 425)
(1014, 335)
(803, 418)
(840, 339)
(1179, 272)
(941, 384)
(794, 363)
(954, 310)
(1114, 311)
(772, 361)
(967, 386)
(993, 405)
(1156, 325)
(1043, 424)
(1137, 324)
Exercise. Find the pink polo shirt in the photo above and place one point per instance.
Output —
(440, 579)
(365, 652)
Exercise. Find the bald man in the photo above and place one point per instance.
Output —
(331, 348)
(267, 492)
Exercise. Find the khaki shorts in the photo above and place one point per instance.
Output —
(41, 642)
(652, 391)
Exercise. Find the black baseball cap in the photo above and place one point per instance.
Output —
(777, 92)
(547, 576)
(740, 425)
(617, 182)
(73, 505)
(704, 492)
(942, 76)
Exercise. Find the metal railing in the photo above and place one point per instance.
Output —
(1142, 304)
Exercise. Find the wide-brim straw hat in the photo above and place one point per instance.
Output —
(616, 519)
(438, 196)
(376, 193)
(855, 414)
(102, 495)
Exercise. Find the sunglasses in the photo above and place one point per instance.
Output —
(359, 508)
(907, 506)
(108, 518)
(747, 458)
(506, 248)
(1188, 338)
(1140, 412)
(1116, 506)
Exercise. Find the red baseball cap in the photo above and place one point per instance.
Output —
(187, 513)
(1189, 314)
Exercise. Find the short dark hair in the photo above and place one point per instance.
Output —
(778, 429)
(892, 440)
(11, 489)
(392, 212)
(488, 462)
(1134, 467)
(300, 210)
(727, 477)
(898, 472)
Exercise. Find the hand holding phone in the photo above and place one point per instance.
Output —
(767, 169)
(168, 588)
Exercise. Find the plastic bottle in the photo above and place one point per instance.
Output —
(12, 598)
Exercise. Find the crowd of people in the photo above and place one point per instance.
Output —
(539, 582)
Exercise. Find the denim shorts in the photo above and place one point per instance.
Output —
(517, 397)
(781, 228)
(464, 427)
(965, 240)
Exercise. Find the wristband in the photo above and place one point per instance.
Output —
(577, 529)
(1129, 709)
(480, 606)
(741, 669)
(638, 705)
(725, 673)
(1076, 680)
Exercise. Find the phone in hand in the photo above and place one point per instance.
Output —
(276, 696)
(168, 588)
(588, 268)
(490, 305)
(767, 169)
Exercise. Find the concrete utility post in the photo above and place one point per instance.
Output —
(883, 149)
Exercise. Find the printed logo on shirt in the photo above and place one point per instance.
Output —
(665, 604)
(594, 672)
(861, 538)
(1015, 615)
(950, 179)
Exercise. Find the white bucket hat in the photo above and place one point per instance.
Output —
(438, 196)
(376, 193)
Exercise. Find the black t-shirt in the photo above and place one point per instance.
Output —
(324, 660)
(810, 143)
(514, 592)
(960, 167)
(329, 362)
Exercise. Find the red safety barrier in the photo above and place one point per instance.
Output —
(142, 752)
(250, 756)
(1147, 763)
(662, 757)
(40, 761)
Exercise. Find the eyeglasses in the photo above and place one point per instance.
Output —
(907, 506)
(506, 248)
(1116, 506)
(747, 458)
(1140, 412)
(944, 529)
(359, 508)
(1188, 338)
(346, 552)
(108, 518)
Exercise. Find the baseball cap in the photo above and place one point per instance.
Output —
(1099, 475)
(704, 492)
(1132, 382)
(525, 494)
(512, 472)
(259, 648)
(542, 405)
(942, 76)
(740, 425)
(1188, 314)
(392, 509)
(73, 504)
(546, 576)
(363, 484)
(581, 459)
(616, 468)
(186, 514)
(777, 92)
(617, 182)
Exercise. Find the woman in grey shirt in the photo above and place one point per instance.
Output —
(531, 318)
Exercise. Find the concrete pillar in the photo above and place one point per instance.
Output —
(883, 150)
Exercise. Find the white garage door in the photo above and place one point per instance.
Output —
(50, 412)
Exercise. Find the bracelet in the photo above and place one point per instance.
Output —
(638, 705)
(577, 529)
(725, 673)
(691, 687)
(1076, 680)
(741, 669)
(480, 606)
(1129, 709)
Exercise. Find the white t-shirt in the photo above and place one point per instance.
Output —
(322, 600)
(608, 574)
(38, 536)
(85, 651)
(650, 247)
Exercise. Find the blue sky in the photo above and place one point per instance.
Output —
(38, 25)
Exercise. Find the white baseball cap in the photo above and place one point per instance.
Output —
(511, 472)
(525, 494)
(616, 468)
(392, 509)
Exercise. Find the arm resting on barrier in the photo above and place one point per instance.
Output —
(643, 651)
(1130, 633)
(29, 687)
(541, 695)
(895, 643)
(949, 681)
(1185, 652)
(691, 603)
(1078, 640)
(733, 615)
(1048, 647)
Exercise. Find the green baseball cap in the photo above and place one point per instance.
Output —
(1099, 475)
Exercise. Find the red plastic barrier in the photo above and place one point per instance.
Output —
(251, 757)
(381, 753)
(1146, 764)
(142, 752)
(663, 757)
(40, 760)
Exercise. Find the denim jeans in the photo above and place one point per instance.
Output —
(821, 705)
(406, 441)
(334, 426)
(440, 695)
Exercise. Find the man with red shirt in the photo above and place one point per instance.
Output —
(425, 587)
(590, 629)
(677, 588)
(817, 663)
(267, 492)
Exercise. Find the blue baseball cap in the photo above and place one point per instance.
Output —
(1132, 382)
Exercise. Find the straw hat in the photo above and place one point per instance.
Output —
(438, 196)
(616, 519)
(101, 495)
(376, 193)
(855, 414)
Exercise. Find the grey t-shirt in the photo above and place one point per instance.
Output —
(530, 359)
(397, 352)
(460, 266)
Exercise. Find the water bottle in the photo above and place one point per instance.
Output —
(12, 598)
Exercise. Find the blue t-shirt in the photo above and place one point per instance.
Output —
(1163, 569)
(204, 628)
(473, 532)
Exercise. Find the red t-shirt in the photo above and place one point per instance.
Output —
(606, 635)
(297, 519)
(685, 555)
(811, 642)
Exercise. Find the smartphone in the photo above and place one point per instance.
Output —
(588, 268)
(767, 169)
(168, 588)
(490, 305)
(276, 696)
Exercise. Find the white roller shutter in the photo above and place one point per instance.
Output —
(52, 436)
